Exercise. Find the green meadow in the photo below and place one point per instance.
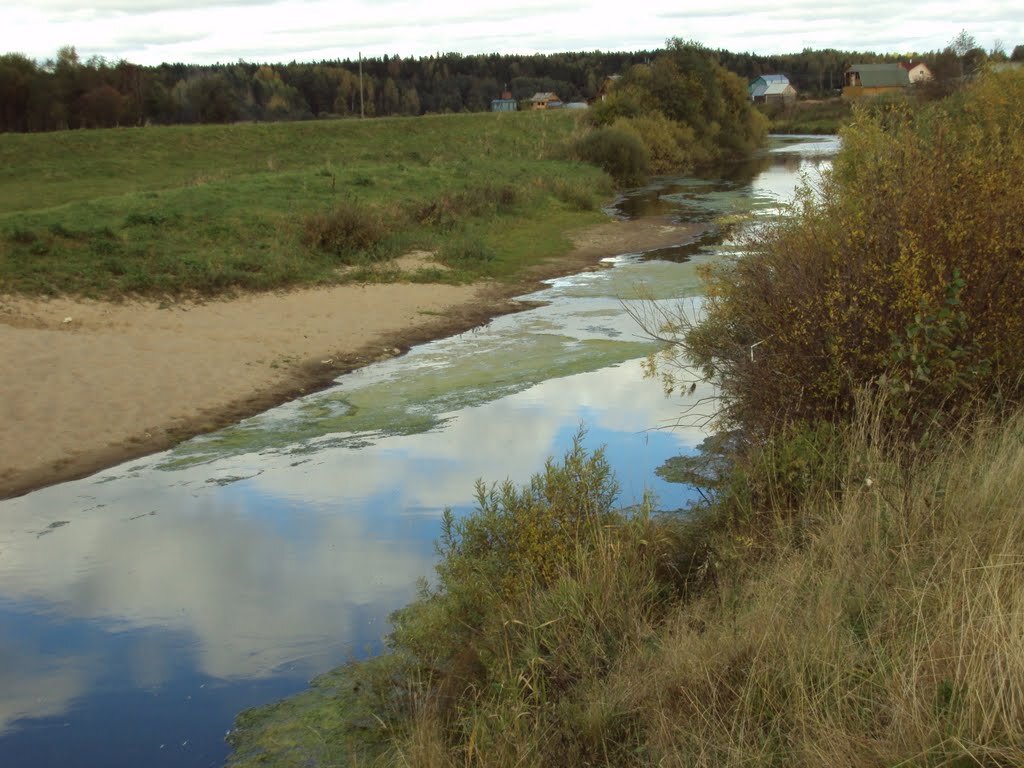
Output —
(202, 210)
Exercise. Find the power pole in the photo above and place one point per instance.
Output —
(362, 112)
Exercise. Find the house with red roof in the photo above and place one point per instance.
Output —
(918, 71)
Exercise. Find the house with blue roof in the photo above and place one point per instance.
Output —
(768, 88)
(758, 87)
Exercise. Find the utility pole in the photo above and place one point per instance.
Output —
(362, 112)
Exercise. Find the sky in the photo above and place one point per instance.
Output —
(267, 31)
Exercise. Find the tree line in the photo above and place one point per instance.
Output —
(68, 92)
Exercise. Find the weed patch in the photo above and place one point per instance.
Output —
(346, 230)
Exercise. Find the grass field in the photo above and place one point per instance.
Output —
(182, 210)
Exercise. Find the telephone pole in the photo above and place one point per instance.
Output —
(362, 112)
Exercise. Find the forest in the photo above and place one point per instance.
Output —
(69, 92)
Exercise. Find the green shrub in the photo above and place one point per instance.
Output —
(671, 146)
(686, 87)
(620, 153)
(521, 537)
(539, 591)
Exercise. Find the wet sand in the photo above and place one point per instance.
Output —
(86, 385)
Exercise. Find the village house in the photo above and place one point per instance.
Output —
(546, 100)
(776, 87)
(776, 90)
(917, 72)
(873, 79)
(505, 104)
(606, 85)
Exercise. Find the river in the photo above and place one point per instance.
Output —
(143, 607)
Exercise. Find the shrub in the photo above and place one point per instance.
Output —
(539, 591)
(348, 229)
(904, 269)
(670, 146)
(620, 153)
(519, 537)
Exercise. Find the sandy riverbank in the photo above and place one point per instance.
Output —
(86, 385)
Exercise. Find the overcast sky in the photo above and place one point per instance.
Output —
(204, 31)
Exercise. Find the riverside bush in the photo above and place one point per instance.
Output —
(670, 145)
(903, 270)
(685, 109)
(538, 591)
(618, 152)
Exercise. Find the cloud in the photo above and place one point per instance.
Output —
(268, 30)
(294, 562)
(34, 684)
(60, 8)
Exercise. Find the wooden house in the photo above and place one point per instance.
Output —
(606, 85)
(873, 79)
(546, 100)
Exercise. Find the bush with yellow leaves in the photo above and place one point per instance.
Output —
(904, 270)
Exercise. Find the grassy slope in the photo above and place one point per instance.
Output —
(210, 208)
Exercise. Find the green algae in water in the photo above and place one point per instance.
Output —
(419, 397)
(334, 722)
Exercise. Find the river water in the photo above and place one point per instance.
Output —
(143, 607)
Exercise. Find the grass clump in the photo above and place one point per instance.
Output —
(459, 253)
(862, 628)
(346, 230)
(576, 196)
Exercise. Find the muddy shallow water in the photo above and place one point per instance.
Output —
(143, 607)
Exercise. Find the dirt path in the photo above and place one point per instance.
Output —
(86, 385)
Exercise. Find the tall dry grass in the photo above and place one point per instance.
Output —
(888, 631)
(893, 635)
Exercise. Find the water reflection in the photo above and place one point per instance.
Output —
(732, 189)
(140, 609)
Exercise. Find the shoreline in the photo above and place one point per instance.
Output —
(90, 385)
